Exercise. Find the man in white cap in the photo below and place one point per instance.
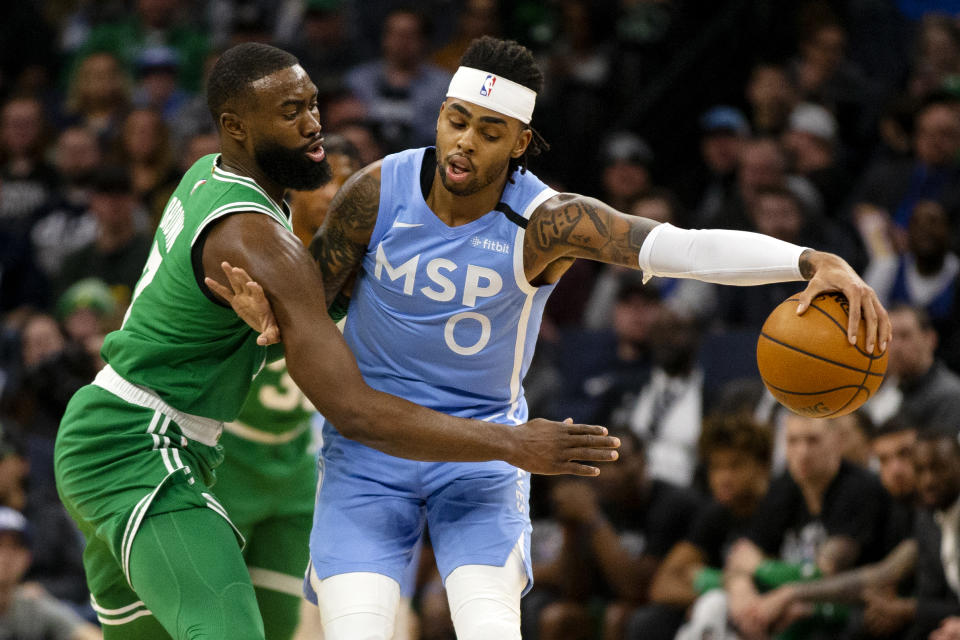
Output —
(457, 248)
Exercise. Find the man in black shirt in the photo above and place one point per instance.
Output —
(822, 513)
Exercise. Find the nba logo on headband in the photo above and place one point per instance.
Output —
(487, 87)
(512, 99)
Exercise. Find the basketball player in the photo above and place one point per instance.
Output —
(458, 247)
(136, 450)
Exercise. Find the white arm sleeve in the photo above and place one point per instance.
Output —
(719, 255)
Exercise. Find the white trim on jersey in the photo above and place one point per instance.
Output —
(235, 207)
(228, 176)
(524, 319)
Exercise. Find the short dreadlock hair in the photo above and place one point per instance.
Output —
(237, 69)
(515, 62)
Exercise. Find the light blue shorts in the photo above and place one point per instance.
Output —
(371, 509)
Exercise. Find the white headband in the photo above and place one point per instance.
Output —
(493, 92)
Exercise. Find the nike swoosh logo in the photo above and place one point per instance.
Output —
(406, 225)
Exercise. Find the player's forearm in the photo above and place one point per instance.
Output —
(724, 256)
(407, 430)
(673, 586)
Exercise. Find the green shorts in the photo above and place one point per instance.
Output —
(115, 463)
(269, 491)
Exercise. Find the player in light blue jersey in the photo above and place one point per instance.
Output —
(456, 249)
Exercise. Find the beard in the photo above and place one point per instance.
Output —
(291, 168)
(479, 181)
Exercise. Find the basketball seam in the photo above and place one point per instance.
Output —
(816, 393)
(813, 355)
(842, 328)
(866, 373)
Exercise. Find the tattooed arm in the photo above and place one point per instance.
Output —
(570, 226)
(340, 243)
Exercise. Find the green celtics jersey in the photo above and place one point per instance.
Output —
(192, 351)
(275, 404)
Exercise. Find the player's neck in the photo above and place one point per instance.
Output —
(245, 166)
(456, 210)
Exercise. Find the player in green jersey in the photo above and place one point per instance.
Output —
(137, 449)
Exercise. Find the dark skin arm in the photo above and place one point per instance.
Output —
(570, 226)
(323, 367)
(673, 582)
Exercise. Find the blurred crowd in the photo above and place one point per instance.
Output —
(833, 124)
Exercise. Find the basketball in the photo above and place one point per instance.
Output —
(808, 364)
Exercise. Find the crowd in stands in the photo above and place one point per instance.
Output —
(833, 124)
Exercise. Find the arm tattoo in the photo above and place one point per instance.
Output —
(342, 240)
(806, 268)
(580, 227)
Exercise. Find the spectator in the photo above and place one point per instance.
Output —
(937, 456)
(824, 75)
(22, 283)
(887, 194)
(197, 146)
(772, 96)
(157, 89)
(668, 410)
(324, 45)
(26, 611)
(614, 537)
(401, 89)
(28, 181)
(64, 223)
(146, 152)
(613, 363)
(723, 131)
(926, 275)
(626, 160)
(854, 430)
(735, 451)
(99, 96)
(87, 312)
(929, 391)
(118, 253)
(822, 513)
(813, 147)
(893, 446)
(938, 55)
(477, 18)
(155, 22)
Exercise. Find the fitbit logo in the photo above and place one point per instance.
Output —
(490, 245)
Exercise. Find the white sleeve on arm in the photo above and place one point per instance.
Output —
(719, 255)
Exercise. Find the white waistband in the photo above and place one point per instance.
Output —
(203, 430)
(264, 437)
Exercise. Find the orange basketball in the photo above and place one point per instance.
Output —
(809, 365)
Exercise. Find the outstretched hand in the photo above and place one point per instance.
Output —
(832, 273)
(249, 301)
(552, 448)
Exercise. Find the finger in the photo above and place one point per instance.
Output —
(592, 442)
(577, 469)
(853, 322)
(269, 336)
(592, 455)
(885, 329)
(568, 421)
(870, 316)
(238, 278)
(219, 289)
(588, 429)
(806, 297)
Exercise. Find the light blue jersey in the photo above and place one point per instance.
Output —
(444, 317)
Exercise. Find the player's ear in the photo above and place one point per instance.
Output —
(523, 141)
(233, 125)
